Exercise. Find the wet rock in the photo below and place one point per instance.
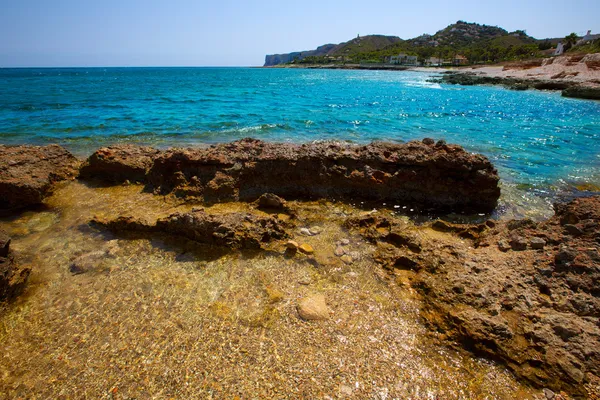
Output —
(537, 243)
(344, 242)
(305, 232)
(234, 230)
(313, 308)
(292, 245)
(339, 251)
(444, 177)
(119, 163)
(347, 259)
(539, 312)
(315, 230)
(87, 262)
(306, 248)
(271, 201)
(582, 92)
(13, 277)
(28, 173)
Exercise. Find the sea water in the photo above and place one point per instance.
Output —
(538, 140)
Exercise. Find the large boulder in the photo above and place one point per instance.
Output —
(12, 277)
(119, 163)
(28, 173)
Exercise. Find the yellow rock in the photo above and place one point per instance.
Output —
(306, 248)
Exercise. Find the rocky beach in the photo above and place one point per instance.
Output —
(289, 270)
(576, 76)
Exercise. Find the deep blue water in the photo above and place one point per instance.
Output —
(534, 137)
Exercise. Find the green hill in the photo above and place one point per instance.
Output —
(478, 43)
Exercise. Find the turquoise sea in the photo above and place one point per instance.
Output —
(539, 140)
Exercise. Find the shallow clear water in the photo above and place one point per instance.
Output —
(535, 138)
(162, 317)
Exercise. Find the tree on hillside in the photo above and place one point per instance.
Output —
(570, 40)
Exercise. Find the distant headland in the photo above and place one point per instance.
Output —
(462, 43)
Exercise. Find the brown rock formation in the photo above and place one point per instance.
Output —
(234, 230)
(119, 163)
(12, 276)
(27, 173)
(430, 175)
(528, 295)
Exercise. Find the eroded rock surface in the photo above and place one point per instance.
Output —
(427, 174)
(533, 304)
(12, 276)
(119, 163)
(234, 230)
(27, 173)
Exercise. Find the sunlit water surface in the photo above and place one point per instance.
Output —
(541, 143)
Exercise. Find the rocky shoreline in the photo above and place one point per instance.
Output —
(567, 88)
(524, 293)
(576, 76)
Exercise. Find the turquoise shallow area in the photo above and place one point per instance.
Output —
(537, 139)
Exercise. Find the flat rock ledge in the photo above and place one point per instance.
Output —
(567, 88)
(12, 276)
(28, 173)
(521, 292)
(234, 230)
(427, 174)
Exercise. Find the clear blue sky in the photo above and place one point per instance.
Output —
(226, 32)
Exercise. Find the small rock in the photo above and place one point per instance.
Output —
(292, 245)
(429, 141)
(345, 242)
(306, 248)
(87, 262)
(503, 245)
(305, 232)
(549, 394)
(537, 243)
(518, 243)
(573, 230)
(313, 308)
(272, 201)
(339, 251)
(315, 230)
(347, 259)
(345, 390)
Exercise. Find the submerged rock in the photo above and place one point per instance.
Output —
(234, 230)
(28, 173)
(444, 176)
(12, 276)
(119, 163)
(313, 308)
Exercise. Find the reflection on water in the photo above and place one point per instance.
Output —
(164, 318)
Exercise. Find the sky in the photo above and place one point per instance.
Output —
(240, 33)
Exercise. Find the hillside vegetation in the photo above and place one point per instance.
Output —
(478, 43)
